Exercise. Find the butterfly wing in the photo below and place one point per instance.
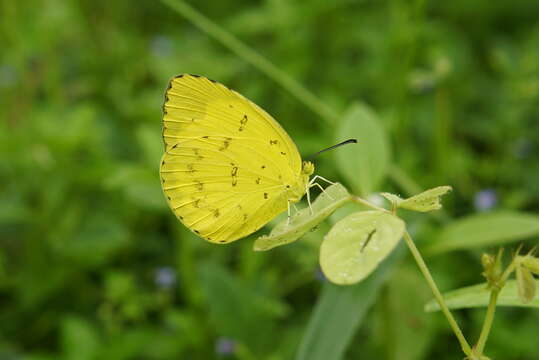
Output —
(227, 163)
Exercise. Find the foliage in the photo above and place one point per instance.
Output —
(94, 266)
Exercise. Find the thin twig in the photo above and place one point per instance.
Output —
(257, 60)
(487, 324)
(439, 298)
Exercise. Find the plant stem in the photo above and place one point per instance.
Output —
(257, 60)
(439, 298)
(506, 274)
(361, 201)
(487, 325)
(426, 273)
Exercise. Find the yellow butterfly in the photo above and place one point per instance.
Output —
(228, 166)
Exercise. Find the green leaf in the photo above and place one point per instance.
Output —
(98, 238)
(424, 202)
(139, 184)
(355, 246)
(478, 296)
(79, 339)
(364, 165)
(339, 313)
(235, 308)
(486, 230)
(402, 329)
(284, 233)
(151, 145)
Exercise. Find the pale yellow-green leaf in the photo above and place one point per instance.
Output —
(355, 246)
(478, 296)
(426, 201)
(486, 230)
(532, 263)
(392, 198)
(283, 233)
(526, 284)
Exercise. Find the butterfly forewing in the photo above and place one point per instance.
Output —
(227, 162)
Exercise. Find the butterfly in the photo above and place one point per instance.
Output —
(228, 167)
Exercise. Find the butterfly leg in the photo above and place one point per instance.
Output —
(308, 191)
(322, 189)
(321, 178)
(288, 217)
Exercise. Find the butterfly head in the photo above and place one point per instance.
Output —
(297, 190)
(307, 169)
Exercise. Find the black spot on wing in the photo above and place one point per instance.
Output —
(243, 122)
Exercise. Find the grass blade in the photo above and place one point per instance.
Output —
(339, 313)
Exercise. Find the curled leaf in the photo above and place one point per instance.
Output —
(392, 198)
(286, 232)
(426, 201)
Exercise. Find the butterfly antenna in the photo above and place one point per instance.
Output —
(349, 141)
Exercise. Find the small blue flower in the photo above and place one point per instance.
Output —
(161, 46)
(523, 148)
(319, 275)
(485, 200)
(225, 346)
(8, 76)
(165, 277)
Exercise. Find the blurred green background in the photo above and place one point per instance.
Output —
(93, 265)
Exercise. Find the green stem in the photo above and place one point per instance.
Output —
(439, 298)
(487, 325)
(364, 202)
(506, 274)
(257, 60)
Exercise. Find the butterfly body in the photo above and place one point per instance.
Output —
(228, 166)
